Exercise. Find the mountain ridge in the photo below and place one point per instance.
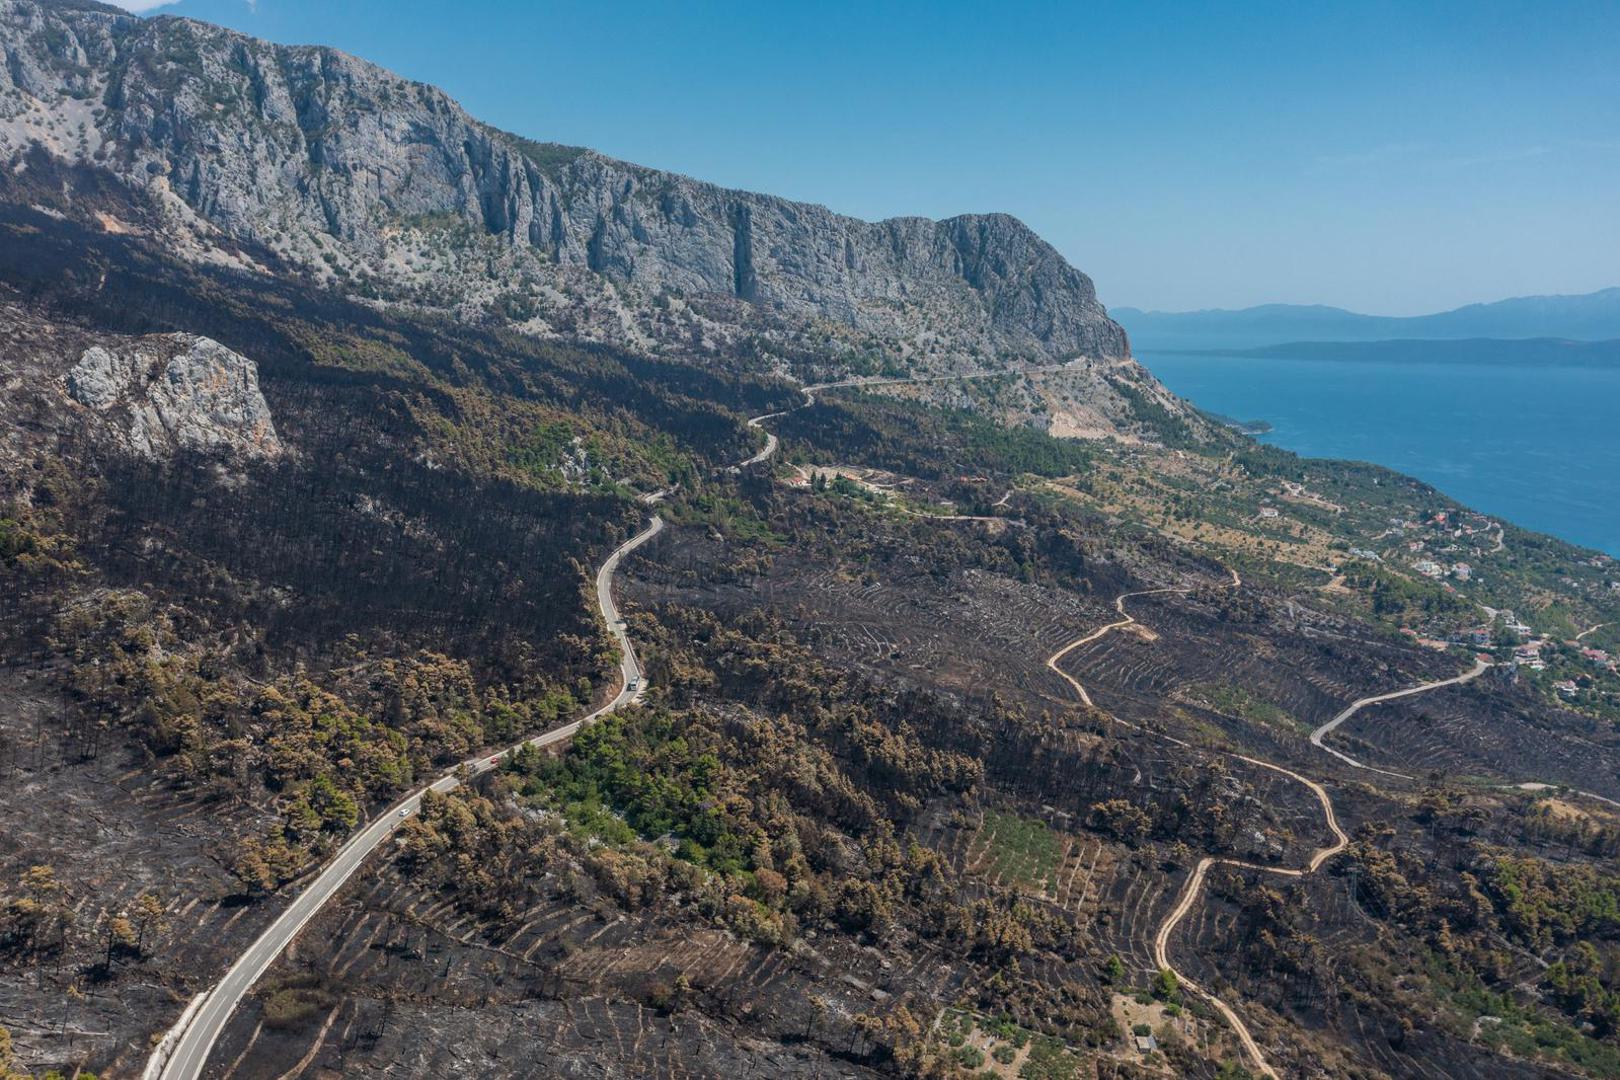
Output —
(379, 183)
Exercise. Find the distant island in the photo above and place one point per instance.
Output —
(1589, 317)
(1541, 352)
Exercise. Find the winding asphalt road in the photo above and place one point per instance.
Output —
(770, 443)
(191, 1051)
(194, 1043)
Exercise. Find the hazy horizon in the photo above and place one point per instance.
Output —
(1353, 311)
(1387, 160)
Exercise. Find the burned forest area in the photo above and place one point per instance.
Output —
(860, 827)
(867, 671)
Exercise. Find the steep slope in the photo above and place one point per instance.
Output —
(388, 186)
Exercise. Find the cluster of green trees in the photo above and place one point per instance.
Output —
(1478, 921)
(733, 517)
(1545, 905)
(36, 914)
(768, 794)
(16, 540)
(766, 809)
(1168, 428)
(1404, 600)
(34, 553)
(1594, 837)
(1582, 983)
(324, 757)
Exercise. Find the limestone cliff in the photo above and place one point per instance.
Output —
(382, 184)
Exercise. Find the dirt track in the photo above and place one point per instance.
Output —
(1195, 883)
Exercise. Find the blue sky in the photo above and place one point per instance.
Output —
(1388, 157)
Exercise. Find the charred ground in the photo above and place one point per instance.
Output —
(860, 827)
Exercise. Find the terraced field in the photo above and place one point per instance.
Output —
(1490, 732)
(406, 982)
(409, 981)
(1308, 676)
(965, 636)
(111, 832)
(1069, 875)
(1218, 943)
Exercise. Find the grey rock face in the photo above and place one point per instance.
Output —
(327, 159)
(100, 378)
(176, 391)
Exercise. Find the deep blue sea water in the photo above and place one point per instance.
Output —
(1539, 446)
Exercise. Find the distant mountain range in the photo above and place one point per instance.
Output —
(1543, 352)
(1590, 317)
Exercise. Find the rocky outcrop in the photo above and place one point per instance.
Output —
(71, 394)
(344, 167)
(176, 391)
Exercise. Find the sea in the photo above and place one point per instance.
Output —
(1538, 445)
